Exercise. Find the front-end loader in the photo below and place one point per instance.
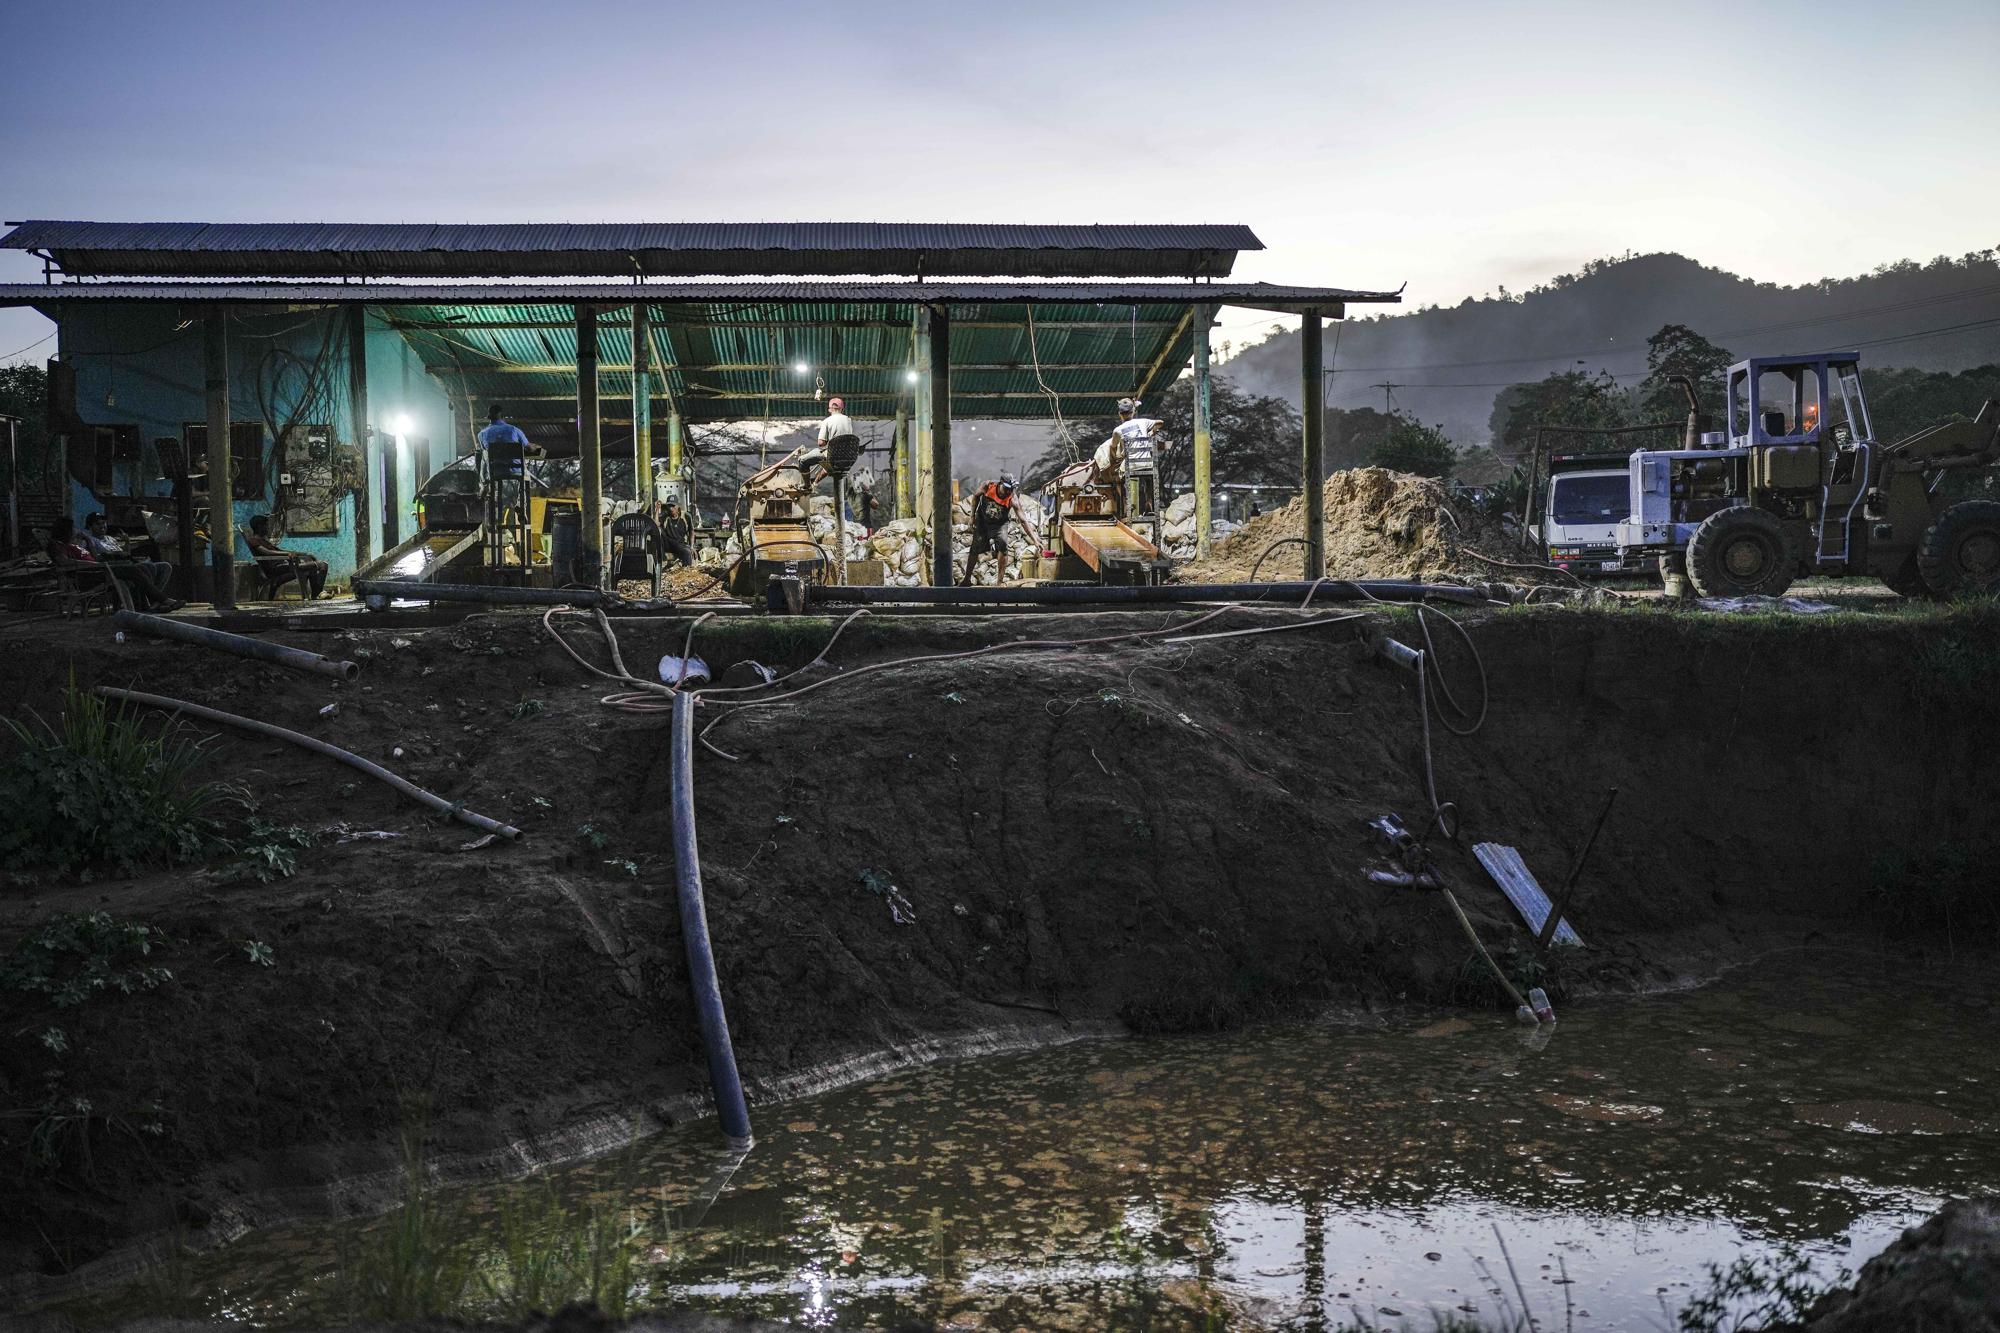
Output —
(1797, 484)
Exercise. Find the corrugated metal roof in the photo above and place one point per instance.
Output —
(674, 249)
(1256, 295)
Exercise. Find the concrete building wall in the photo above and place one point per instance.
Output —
(141, 365)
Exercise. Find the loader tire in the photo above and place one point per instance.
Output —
(1960, 553)
(1906, 580)
(1740, 552)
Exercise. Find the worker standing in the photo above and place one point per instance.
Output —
(1130, 442)
(992, 509)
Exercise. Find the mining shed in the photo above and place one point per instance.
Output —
(962, 852)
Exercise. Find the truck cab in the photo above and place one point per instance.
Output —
(1587, 498)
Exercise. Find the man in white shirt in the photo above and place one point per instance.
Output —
(837, 422)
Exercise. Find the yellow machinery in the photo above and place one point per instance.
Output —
(1103, 523)
(772, 505)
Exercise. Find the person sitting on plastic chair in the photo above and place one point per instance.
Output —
(280, 566)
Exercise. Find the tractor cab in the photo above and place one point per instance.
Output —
(1798, 402)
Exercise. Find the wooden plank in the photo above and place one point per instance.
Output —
(1511, 873)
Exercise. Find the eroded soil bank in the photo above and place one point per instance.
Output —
(1167, 837)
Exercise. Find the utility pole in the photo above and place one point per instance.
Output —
(1388, 406)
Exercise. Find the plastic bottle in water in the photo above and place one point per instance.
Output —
(1538, 999)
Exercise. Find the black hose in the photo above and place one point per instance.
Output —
(348, 757)
(722, 1075)
(1329, 590)
(1282, 541)
(242, 645)
(405, 590)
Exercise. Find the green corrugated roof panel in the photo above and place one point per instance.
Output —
(739, 361)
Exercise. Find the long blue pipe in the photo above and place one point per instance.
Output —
(694, 932)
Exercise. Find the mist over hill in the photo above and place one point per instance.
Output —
(1447, 363)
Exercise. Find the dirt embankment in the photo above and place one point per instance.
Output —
(1379, 525)
(1160, 836)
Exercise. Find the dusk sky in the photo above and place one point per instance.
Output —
(1458, 147)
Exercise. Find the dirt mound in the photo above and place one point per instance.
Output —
(1379, 524)
(1166, 836)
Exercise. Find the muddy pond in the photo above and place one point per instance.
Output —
(1370, 1169)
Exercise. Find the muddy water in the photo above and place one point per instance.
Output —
(1305, 1177)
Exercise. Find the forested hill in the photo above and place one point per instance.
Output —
(1449, 362)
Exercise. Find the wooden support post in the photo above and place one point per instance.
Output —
(676, 442)
(1313, 478)
(906, 504)
(940, 397)
(642, 404)
(920, 420)
(1204, 315)
(357, 421)
(221, 507)
(589, 439)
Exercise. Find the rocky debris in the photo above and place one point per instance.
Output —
(1942, 1277)
(904, 545)
(1379, 524)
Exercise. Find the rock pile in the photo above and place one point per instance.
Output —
(1379, 524)
(904, 545)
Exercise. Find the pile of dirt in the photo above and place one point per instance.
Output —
(1379, 525)
(941, 858)
(1942, 1277)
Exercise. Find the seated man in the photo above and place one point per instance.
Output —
(278, 564)
(674, 534)
(156, 575)
(71, 556)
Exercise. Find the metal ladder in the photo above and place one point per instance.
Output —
(1862, 471)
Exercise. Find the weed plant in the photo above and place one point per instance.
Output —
(104, 787)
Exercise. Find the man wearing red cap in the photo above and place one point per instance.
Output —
(836, 423)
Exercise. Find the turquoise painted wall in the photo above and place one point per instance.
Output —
(141, 364)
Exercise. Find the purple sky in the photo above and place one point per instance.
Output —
(1458, 146)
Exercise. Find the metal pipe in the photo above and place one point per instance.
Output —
(410, 591)
(940, 515)
(1311, 350)
(221, 509)
(1070, 594)
(1691, 436)
(242, 645)
(722, 1075)
(403, 785)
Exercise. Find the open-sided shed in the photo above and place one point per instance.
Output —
(922, 347)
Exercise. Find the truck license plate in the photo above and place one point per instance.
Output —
(1611, 564)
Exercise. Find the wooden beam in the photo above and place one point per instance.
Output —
(590, 439)
(1144, 388)
(221, 506)
(1313, 383)
(743, 367)
(446, 326)
(940, 339)
(1203, 431)
(357, 410)
(642, 403)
